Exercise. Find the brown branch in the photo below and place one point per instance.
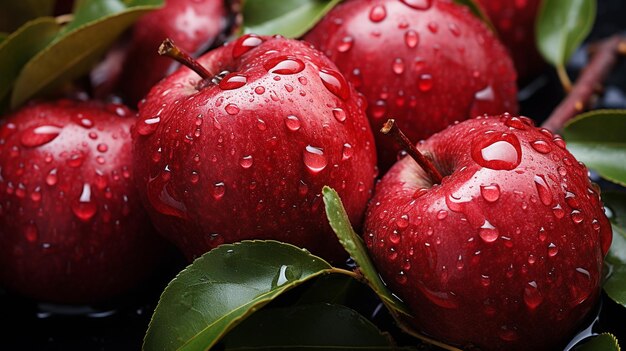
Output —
(589, 84)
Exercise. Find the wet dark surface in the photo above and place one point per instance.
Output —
(121, 324)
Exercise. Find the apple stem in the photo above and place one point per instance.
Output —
(169, 49)
(390, 128)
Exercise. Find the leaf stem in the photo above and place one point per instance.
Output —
(584, 93)
(390, 128)
(566, 82)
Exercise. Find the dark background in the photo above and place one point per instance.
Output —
(121, 324)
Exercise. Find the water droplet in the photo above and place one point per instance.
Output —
(219, 189)
(233, 81)
(260, 124)
(37, 136)
(541, 146)
(335, 83)
(433, 27)
(411, 38)
(259, 90)
(232, 109)
(292, 122)
(558, 211)
(84, 208)
(246, 161)
(245, 44)
(485, 94)
(398, 65)
(499, 152)
(425, 82)
(545, 194)
(532, 295)
(339, 114)
(148, 126)
(418, 4)
(553, 250)
(394, 237)
(314, 159)
(284, 65)
(491, 193)
(75, 160)
(488, 232)
(577, 216)
(514, 122)
(442, 214)
(454, 29)
(401, 278)
(52, 178)
(379, 109)
(403, 221)
(378, 13)
(347, 151)
(345, 44)
(102, 147)
(31, 233)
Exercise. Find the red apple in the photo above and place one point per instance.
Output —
(506, 252)
(424, 63)
(71, 224)
(515, 22)
(244, 155)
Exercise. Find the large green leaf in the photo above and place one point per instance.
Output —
(14, 13)
(74, 52)
(615, 285)
(602, 342)
(315, 326)
(289, 18)
(224, 286)
(351, 241)
(561, 27)
(19, 47)
(598, 138)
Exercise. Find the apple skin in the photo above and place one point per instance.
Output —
(506, 253)
(426, 68)
(71, 224)
(515, 23)
(247, 158)
(193, 25)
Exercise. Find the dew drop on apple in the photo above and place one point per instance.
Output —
(398, 65)
(379, 109)
(581, 288)
(347, 152)
(577, 216)
(553, 250)
(314, 159)
(284, 65)
(102, 147)
(500, 152)
(148, 126)
(245, 44)
(541, 146)
(335, 83)
(545, 194)
(233, 81)
(488, 232)
(418, 4)
(292, 122)
(571, 199)
(401, 278)
(259, 90)
(52, 177)
(411, 38)
(31, 233)
(378, 13)
(558, 211)
(37, 136)
(84, 208)
(403, 221)
(232, 109)
(491, 192)
(35, 196)
(260, 124)
(442, 214)
(345, 44)
(246, 161)
(425, 82)
(339, 114)
(219, 189)
(433, 27)
(394, 237)
(532, 296)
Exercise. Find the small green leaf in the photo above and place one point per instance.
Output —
(561, 27)
(14, 13)
(20, 46)
(615, 285)
(74, 52)
(224, 286)
(315, 326)
(598, 139)
(477, 11)
(602, 342)
(289, 18)
(3, 36)
(351, 241)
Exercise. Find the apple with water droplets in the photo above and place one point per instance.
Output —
(241, 146)
(71, 223)
(497, 241)
(425, 63)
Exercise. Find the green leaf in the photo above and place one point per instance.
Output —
(321, 326)
(615, 285)
(289, 18)
(561, 27)
(478, 12)
(14, 13)
(335, 288)
(351, 241)
(224, 286)
(20, 46)
(598, 139)
(3, 36)
(602, 342)
(74, 52)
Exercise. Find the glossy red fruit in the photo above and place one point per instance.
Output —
(506, 253)
(424, 63)
(515, 22)
(247, 158)
(194, 25)
(71, 225)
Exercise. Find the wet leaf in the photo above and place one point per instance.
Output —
(602, 342)
(561, 27)
(351, 241)
(314, 326)
(74, 52)
(289, 18)
(615, 285)
(14, 13)
(223, 287)
(597, 138)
